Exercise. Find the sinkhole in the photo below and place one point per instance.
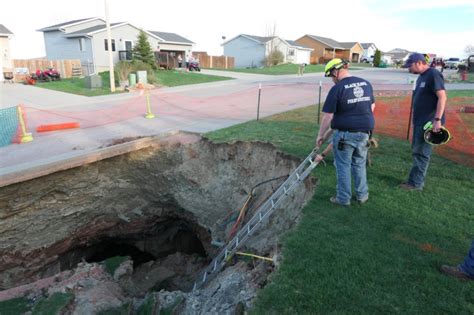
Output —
(163, 203)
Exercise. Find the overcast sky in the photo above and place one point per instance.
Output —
(443, 27)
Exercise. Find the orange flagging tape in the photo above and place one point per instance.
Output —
(53, 127)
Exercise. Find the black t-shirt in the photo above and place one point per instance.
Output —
(425, 98)
(350, 100)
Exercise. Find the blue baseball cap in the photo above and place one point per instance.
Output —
(414, 57)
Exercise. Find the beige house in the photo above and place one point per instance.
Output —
(354, 51)
(5, 60)
(325, 49)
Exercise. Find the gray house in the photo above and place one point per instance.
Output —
(5, 61)
(251, 51)
(86, 39)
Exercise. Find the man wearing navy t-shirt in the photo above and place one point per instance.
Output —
(429, 101)
(348, 111)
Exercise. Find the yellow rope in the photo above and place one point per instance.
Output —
(254, 256)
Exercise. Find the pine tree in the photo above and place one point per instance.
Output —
(143, 51)
(377, 58)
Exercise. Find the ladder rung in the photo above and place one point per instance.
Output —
(264, 210)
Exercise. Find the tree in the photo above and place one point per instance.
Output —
(377, 58)
(469, 50)
(143, 51)
(273, 55)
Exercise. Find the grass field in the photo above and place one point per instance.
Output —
(379, 258)
(287, 68)
(175, 78)
(163, 78)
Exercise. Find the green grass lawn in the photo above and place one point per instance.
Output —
(76, 86)
(456, 78)
(378, 258)
(164, 78)
(287, 68)
(175, 78)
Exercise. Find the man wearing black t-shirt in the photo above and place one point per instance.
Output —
(429, 101)
(348, 111)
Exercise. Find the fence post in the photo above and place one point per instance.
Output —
(319, 102)
(258, 102)
(149, 114)
(226, 62)
(210, 62)
(25, 136)
(411, 109)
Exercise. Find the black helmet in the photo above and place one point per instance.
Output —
(436, 138)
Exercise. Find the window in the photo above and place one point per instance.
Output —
(82, 44)
(107, 46)
(291, 52)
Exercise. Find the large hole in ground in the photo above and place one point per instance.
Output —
(161, 205)
(159, 246)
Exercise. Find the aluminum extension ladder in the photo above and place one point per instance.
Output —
(265, 210)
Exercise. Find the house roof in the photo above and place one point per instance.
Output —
(367, 45)
(260, 39)
(60, 25)
(296, 44)
(327, 41)
(398, 53)
(89, 30)
(348, 45)
(171, 37)
(4, 31)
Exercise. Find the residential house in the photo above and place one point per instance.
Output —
(369, 51)
(86, 39)
(5, 61)
(399, 55)
(353, 52)
(324, 49)
(252, 51)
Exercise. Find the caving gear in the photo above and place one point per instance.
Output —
(336, 63)
(436, 138)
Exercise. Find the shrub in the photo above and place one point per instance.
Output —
(275, 58)
(123, 69)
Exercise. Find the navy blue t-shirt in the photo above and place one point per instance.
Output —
(425, 98)
(350, 100)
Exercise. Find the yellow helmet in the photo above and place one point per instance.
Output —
(436, 138)
(427, 58)
(336, 63)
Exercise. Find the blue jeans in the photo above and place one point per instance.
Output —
(468, 265)
(421, 152)
(351, 160)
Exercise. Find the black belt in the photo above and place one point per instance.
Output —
(348, 130)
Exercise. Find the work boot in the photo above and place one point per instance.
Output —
(363, 199)
(456, 272)
(409, 187)
(336, 202)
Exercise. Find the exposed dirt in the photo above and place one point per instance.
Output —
(165, 207)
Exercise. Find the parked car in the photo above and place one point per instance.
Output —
(452, 63)
(368, 59)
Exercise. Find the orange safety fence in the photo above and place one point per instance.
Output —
(392, 114)
(392, 111)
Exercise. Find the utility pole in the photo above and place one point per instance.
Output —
(109, 45)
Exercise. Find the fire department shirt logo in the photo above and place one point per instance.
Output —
(358, 92)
